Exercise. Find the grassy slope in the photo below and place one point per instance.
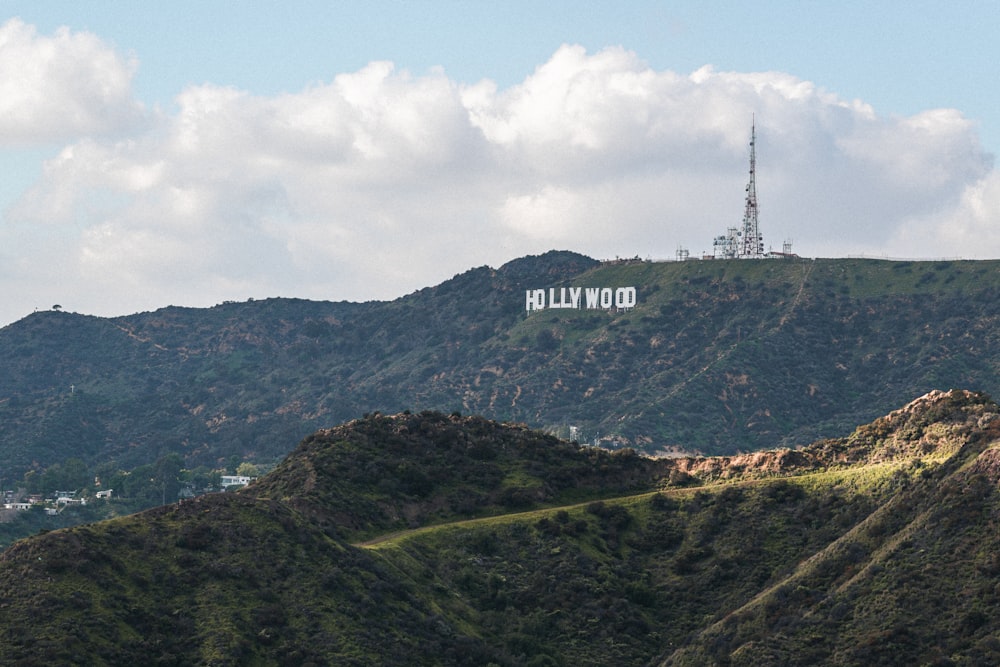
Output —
(741, 354)
(873, 556)
(221, 580)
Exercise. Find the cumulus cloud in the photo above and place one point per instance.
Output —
(966, 229)
(61, 87)
(379, 182)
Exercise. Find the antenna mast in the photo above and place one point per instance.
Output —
(751, 243)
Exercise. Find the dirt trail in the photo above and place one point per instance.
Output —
(547, 511)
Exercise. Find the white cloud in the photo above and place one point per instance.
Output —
(380, 182)
(930, 151)
(969, 229)
(61, 87)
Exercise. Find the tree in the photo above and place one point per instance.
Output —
(76, 475)
(70, 475)
(247, 469)
(202, 478)
(167, 476)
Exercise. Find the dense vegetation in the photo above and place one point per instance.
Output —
(158, 483)
(449, 540)
(717, 357)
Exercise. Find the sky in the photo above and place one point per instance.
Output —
(190, 153)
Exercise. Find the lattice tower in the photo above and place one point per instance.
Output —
(751, 243)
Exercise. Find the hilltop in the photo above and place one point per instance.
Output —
(716, 357)
(362, 548)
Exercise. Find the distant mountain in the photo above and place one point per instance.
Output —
(714, 357)
(446, 540)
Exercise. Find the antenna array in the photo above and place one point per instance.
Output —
(744, 242)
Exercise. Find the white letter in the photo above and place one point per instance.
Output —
(534, 299)
(624, 297)
(630, 297)
(592, 297)
(606, 297)
(574, 297)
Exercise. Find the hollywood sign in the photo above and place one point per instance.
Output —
(580, 297)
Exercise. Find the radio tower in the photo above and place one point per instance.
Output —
(751, 243)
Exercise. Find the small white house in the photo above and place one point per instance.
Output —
(104, 494)
(235, 480)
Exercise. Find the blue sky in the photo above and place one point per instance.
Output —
(128, 172)
(900, 57)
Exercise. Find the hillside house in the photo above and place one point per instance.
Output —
(17, 506)
(235, 480)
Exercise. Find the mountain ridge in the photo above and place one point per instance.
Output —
(716, 357)
(752, 566)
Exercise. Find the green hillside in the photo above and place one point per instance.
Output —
(425, 539)
(716, 357)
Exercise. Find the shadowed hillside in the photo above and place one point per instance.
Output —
(448, 540)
